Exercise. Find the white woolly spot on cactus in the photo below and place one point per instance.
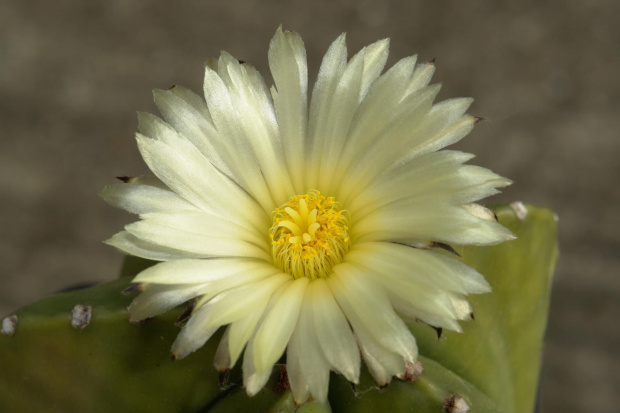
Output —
(519, 209)
(81, 316)
(455, 403)
(413, 371)
(9, 325)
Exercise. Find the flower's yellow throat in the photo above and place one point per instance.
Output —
(309, 235)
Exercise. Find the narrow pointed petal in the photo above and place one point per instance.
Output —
(323, 96)
(195, 179)
(194, 334)
(221, 360)
(156, 299)
(367, 306)
(253, 379)
(226, 119)
(129, 244)
(333, 332)
(241, 331)
(287, 61)
(296, 377)
(313, 362)
(277, 327)
(197, 271)
(140, 199)
(239, 302)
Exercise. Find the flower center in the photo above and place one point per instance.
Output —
(309, 235)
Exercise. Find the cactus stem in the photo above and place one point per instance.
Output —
(455, 403)
(9, 325)
(81, 316)
(520, 210)
(413, 371)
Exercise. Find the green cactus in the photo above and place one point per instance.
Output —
(77, 351)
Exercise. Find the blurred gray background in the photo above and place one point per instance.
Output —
(546, 75)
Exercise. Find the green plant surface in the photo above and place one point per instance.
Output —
(500, 352)
(113, 365)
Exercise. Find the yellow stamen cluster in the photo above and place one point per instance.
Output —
(309, 235)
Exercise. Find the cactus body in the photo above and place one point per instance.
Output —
(77, 351)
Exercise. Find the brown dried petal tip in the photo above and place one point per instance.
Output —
(131, 288)
(445, 247)
(282, 385)
(186, 314)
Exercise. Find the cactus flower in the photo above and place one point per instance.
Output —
(311, 226)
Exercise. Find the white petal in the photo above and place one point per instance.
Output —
(392, 133)
(241, 331)
(221, 360)
(461, 306)
(296, 378)
(239, 302)
(196, 101)
(378, 105)
(287, 61)
(227, 283)
(333, 332)
(197, 271)
(420, 77)
(158, 299)
(382, 364)
(194, 334)
(332, 129)
(409, 180)
(419, 266)
(443, 223)
(414, 286)
(375, 56)
(314, 366)
(432, 178)
(132, 245)
(139, 199)
(257, 119)
(193, 177)
(276, 329)
(253, 380)
(194, 241)
(323, 96)
(199, 223)
(194, 124)
(366, 306)
(436, 130)
(227, 121)
(155, 128)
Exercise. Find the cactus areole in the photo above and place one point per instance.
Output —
(306, 222)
